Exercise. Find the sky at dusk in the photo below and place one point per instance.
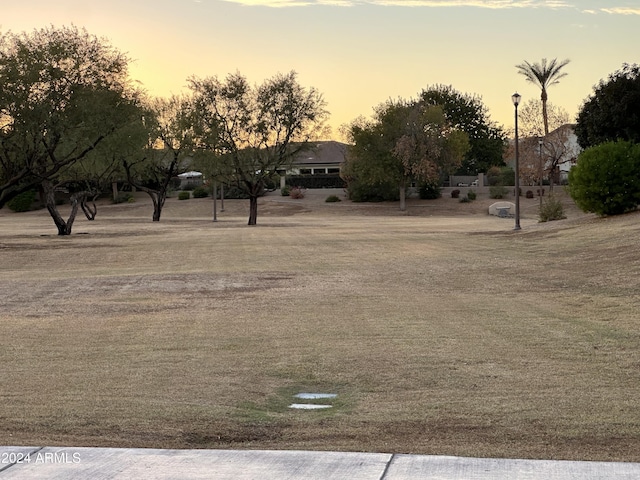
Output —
(359, 53)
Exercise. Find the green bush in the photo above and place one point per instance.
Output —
(551, 209)
(498, 191)
(471, 195)
(184, 196)
(465, 199)
(606, 179)
(430, 191)
(332, 199)
(200, 192)
(285, 191)
(381, 192)
(22, 202)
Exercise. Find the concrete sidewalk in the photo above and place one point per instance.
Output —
(71, 463)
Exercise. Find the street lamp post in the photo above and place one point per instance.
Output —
(540, 142)
(515, 98)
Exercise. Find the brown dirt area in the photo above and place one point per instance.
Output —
(441, 329)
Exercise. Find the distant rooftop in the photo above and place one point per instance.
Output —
(322, 153)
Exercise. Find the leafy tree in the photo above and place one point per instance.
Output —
(403, 141)
(544, 75)
(613, 111)
(170, 148)
(467, 113)
(606, 179)
(256, 131)
(63, 93)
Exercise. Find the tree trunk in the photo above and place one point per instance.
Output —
(90, 211)
(158, 203)
(64, 228)
(403, 195)
(253, 209)
(545, 117)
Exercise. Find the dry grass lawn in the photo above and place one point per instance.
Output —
(441, 330)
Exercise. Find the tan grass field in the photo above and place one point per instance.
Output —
(441, 329)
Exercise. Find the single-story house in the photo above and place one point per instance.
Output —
(323, 158)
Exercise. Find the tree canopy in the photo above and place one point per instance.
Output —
(63, 92)
(613, 111)
(255, 131)
(467, 113)
(404, 140)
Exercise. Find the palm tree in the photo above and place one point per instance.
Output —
(544, 75)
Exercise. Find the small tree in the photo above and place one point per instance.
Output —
(540, 154)
(606, 179)
(170, 124)
(255, 131)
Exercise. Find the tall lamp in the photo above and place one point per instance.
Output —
(515, 98)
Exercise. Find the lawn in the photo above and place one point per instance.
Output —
(441, 330)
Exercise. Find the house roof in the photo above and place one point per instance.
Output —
(322, 153)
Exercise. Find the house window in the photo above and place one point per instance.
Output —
(305, 171)
(319, 171)
(333, 170)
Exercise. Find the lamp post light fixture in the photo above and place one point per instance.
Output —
(515, 98)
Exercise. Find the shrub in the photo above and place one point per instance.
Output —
(551, 209)
(455, 193)
(529, 194)
(494, 176)
(471, 195)
(430, 191)
(232, 192)
(124, 197)
(465, 199)
(297, 192)
(200, 192)
(501, 176)
(332, 199)
(361, 192)
(22, 202)
(497, 191)
(286, 191)
(606, 179)
(184, 196)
